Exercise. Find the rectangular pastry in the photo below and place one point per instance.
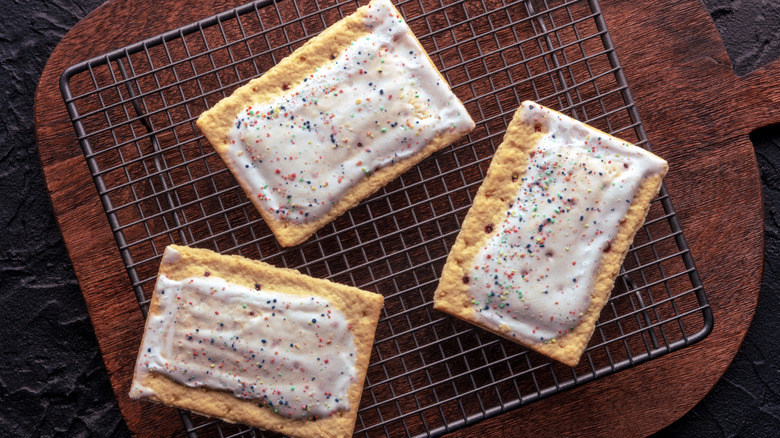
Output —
(540, 248)
(346, 113)
(250, 343)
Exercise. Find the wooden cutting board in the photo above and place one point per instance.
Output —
(697, 115)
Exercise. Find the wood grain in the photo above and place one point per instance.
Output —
(697, 115)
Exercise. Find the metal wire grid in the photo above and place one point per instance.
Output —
(160, 183)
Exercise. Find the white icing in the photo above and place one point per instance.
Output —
(171, 256)
(536, 273)
(294, 354)
(378, 102)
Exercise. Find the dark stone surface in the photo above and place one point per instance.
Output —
(52, 379)
(749, 29)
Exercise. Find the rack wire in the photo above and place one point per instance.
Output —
(160, 183)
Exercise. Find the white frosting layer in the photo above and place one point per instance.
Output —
(294, 354)
(536, 273)
(378, 102)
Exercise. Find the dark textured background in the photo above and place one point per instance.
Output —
(52, 379)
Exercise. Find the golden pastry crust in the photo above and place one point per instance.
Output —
(216, 123)
(361, 309)
(489, 206)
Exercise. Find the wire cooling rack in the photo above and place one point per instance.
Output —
(160, 182)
